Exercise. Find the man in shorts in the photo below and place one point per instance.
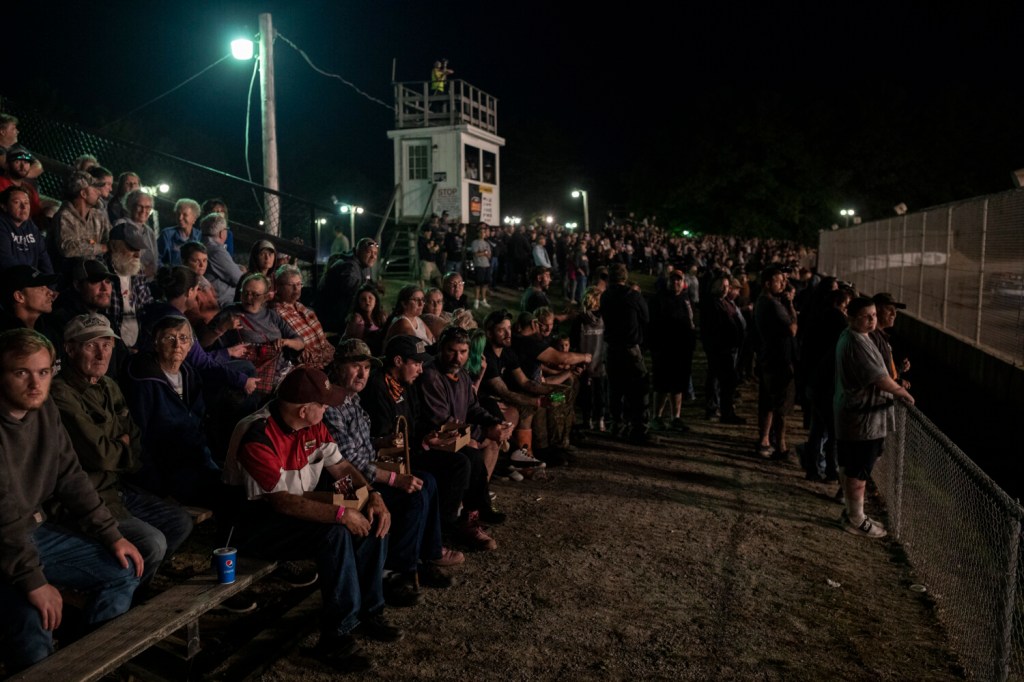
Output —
(863, 410)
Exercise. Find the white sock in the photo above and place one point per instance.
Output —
(855, 508)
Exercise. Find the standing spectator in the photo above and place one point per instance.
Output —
(775, 320)
(588, 337)
(673, 340)
(39, 464)
(171, 238)
(627, 316)
(428, 250)
(722, 331)
(21, 243)
(342, 279)
(481, 249)
(540, 253)
(863, 408)
(519, 257)
(455, 249)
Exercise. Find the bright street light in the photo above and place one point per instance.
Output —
(242, 49)
(549, 219)
(351, 211)
(571, 226)
(512, 220)
(847, 213)
(164, 188)
(576, 194)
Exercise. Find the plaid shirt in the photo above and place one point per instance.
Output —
(349, 426)
(140, 292)
(304, 322)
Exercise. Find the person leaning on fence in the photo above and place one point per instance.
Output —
(37, 463)
(863, 411)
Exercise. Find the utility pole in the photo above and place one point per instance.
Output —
(271, 202)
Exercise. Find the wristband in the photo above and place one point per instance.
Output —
(341, 512)
(391, 478)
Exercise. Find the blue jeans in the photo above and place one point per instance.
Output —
(350, 568)
(415, 525)
(157, 527)
(69, 560)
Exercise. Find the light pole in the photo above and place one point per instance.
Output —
(576, 194)
(351, 210)
(243, 49)
(847, 213)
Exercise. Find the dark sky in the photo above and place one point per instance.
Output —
(724, 115)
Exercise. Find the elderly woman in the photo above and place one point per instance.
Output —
(20, 240)
(266, 334)
(165, 397)
(405, 318)
(222, 271)
(673, 340)
(171, 238)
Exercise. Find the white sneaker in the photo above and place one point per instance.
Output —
(486, 304)
(600, 425)
(476, 304)
(522, 458)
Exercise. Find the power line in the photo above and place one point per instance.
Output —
(332, 75)
(159, 97)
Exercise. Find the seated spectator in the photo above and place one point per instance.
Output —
(138, 211)
(223, 273)
(263, 260)
(367, 320)
(166, 401)
(433, 311)
(280, 456)
(38, 464)
(446, 395)
(194, 257)
(172, 238)
(106, 186)
(452, 292)
(19, 168)
(126, 183)
(317, 352)
(79, 228)
(340, 283)
(9, 144)
(217, 205)
(130, 291)
(263, 331)
(415, 538)
(109, 444)
(92, 287)
(21, 243)
(26, 297)
(405, 318)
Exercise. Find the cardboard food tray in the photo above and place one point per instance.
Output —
(362, 495)
(461, 439)
(393, 459)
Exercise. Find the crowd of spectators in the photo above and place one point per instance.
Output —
(180, 376)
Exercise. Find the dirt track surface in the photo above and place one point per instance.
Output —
(690, 560)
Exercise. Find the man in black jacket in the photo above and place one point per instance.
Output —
(628, 380)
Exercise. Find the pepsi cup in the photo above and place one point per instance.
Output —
(224, 560)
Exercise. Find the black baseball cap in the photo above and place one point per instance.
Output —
(406, 347)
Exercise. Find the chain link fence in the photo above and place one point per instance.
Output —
(958, 267)
(962, 534)
(296, 226)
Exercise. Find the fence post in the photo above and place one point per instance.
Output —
(981, 271)
(949, 257)
(901, 448)
(1005, 642)
(903, 255)
(920, 273)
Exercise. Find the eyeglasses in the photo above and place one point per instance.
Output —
(177, 339)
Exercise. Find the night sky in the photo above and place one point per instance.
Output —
(727, 117)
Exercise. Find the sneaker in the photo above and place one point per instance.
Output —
(476, 304)
(521, 459)
(492, 516)
(449, 557)
(600, 425)
(474, 537)
(514, 475)
(590, 424)
(400, 590)
(377, 628)
(867, 527)
(296, 574)
(486, 304)
(432, 576)
(239, 603)
(679, 426)
(340, 652)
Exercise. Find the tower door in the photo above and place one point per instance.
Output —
(417, 177)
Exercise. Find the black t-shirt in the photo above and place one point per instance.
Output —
(527, 349)
(533, 299)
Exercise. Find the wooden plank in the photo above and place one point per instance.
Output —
(124, 637)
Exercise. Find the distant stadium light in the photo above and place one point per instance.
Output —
(549, 219)
(242, 49)
(164, 188)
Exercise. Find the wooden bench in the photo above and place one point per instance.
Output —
(125, 637)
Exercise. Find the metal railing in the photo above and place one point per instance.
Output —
(958, 267)
(417, 107)
(962, 534)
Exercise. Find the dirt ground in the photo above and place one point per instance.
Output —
(690, 560)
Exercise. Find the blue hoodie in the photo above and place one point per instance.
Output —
(22, 245)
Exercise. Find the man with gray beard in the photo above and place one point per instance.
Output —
(130, 292)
